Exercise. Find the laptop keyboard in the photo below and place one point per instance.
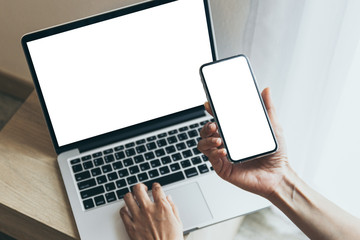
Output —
(106, 176)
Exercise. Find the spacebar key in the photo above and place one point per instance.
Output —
(178, 176)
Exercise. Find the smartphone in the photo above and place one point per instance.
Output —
(238, 109)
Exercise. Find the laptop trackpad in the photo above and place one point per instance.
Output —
(191, 205)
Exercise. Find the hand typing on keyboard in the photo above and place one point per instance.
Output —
(146, 219)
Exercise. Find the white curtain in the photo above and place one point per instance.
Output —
(308, 52)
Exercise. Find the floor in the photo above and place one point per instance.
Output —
(269, 223)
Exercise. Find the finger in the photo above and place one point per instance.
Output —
(208, 108)
(206, 144)
(131, 204)
(158, 193)
(208, 130)
(174, 208)
(270, 108)
(140, 192)
(216, 157)
(126, 218)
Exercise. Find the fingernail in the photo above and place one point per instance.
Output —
(169, 198)
(211, 125)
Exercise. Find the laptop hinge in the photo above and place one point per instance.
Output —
(152, 126)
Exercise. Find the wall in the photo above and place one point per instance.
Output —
(19, 17)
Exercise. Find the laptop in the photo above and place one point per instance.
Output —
(123, 101)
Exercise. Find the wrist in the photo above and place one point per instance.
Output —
(285, 190)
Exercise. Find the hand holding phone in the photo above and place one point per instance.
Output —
(238, 109)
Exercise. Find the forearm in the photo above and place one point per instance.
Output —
(316, 216)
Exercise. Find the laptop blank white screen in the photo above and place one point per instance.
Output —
(123, 71)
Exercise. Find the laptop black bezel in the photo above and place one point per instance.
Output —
(124, 133)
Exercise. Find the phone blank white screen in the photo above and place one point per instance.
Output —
(238, 107)
(123, 71)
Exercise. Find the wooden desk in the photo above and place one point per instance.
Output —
(33, 200)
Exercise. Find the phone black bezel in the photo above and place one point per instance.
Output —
(216, 118)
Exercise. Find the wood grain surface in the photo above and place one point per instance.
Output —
(33, 202)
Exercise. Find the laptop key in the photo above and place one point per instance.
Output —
(141, 141)
(74, 161)
(183, 129)
(98, 154)
(109, 158)
(174, 167)
(88, 203)
(141, 149)
(161, 143)
(86, 184)
(172, 139)
(166, 160)
(196, 160)
(187, 153)
(139, 159)
(86, 158)
(165, 180)
(151, 146)
(172, 132)
(155, 163)
(108, 151)
(191, 143)
(180, 146)
(101, 179)
(164, 170)
(134, 170)
(92, 192)
(77, 168)
(203, 168)
(119, 148)
(82, 176)
(176, 156)
(193, 133)
(191, 172)
(152, 138)
(88, 165)
(149, 155)
(98, 161)
(131, 180)
(112, 176)
(128, 162)
(170, 149)
(144, 166)
(161, 135)
(129, 145)
(130, 152)
(142, 177)
(121, 193)
(205, 158)
(182, 136)
(117, 165)
(110, 186)
(192, 126)
(123, 173)
(120, 155)
(99, 200)
(196, 151)
(185, 163)
(106, 168)
(153, 173)
(110, 197)
(120, 183)
(95, 172)
(160, 152)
